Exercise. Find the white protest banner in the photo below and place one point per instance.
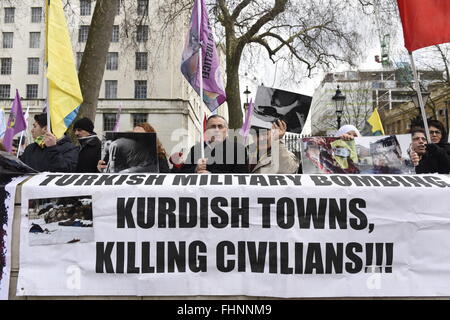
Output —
(8, 184)
(256, 235)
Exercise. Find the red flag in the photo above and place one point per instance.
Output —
(425, 22)
(205, 120)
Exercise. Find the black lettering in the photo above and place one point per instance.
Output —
(320, 180)
(266, 203)
(221, 221)
(145, 213)
(103, 257)
(240, 213)
(185, 180)
(49, 179)
(222, 265)
(197, 263)
(187, 212)
(257, 259)
(360, 222)
(311, 212)
(131, 258)
(314, 261)
(124, 213)
(356, 265)
(146, 267)
(176, 255)
(334, 257)
(338, 213)
(135, 179)
(86, 180)
(285, 213)
(66, 180)
(166, 212)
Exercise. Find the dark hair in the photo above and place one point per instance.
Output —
(41, 119)
(440, 126)
(417, 129)
(217, 116)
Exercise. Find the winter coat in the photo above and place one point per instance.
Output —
(435, 160)
(62, 157)
(220, 158)
(285, 163)
(90, 154)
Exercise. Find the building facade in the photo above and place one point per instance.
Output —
(365, 90)
(142, 77)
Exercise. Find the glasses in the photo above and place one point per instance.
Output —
(436, 132)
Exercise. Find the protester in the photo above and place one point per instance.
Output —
(223, 154)
(15, 146)
(270, 154)
(438, 135)
(428, 157)
(163, 164)
(47, 153)
(348, 132)
(91, 146)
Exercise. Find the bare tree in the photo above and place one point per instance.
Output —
(312, 33)
(93, 62)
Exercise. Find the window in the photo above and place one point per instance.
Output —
(140, 89)
(9, 15)
(8, 40)
(112, 61)
(115, 34)
(85, 7)
(4, 91)
(32, 91)
(141, 60)
(79, 57)
(36, 15)
(35, 40)
(119, 3)
(83, 33)
(109, 121)
(110, 89)
(5, 65)
(139, 118)
(33, 65)
(142, 33)
(142, 7)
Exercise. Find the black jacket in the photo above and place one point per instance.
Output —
(435, 160)
(227, 157)
(90, 154)
(62, 157)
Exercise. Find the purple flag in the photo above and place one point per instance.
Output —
(213, 89)
(117, 125)
(16, 122)
(247, 122)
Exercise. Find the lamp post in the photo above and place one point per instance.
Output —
(246, 92)
(339, 100)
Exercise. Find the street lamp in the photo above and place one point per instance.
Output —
(246, 92)
(339, 100)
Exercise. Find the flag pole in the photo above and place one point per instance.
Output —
(49, 128)
(200, 70)
(419, 97)
(21, 134)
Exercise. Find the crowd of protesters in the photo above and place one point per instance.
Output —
(221, 153)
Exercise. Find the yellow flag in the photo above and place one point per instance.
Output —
(375, 121)
(64, 93)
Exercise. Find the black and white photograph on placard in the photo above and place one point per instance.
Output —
(130, 152)
(274, 104)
